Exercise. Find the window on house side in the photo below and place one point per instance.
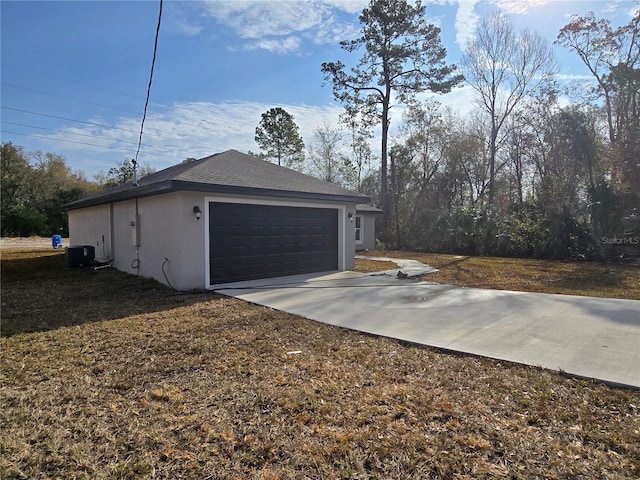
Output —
(358, 229)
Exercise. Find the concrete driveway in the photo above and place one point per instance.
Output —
(590, 337)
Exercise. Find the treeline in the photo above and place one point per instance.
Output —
(527, 174)
(559, 188)
(34, 187)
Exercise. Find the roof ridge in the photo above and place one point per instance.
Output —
(230, 171)
(181, 167)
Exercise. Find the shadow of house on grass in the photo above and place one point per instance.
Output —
(41, 293)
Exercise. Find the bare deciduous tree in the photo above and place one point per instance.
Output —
(326, 160)
(504, 67)
(612, 56)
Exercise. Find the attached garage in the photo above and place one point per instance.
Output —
(252, 241)
(224, 218)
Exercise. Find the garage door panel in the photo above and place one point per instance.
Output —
(259, 241)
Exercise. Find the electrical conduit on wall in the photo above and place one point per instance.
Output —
(135, 239)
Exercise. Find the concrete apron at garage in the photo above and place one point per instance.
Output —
(590, 337)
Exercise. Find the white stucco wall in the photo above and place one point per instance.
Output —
(368, 231)
(171, 231)
(167, 229)
(124, 252)
(91, 226)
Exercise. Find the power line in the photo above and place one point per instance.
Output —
(46, 75)
(67, 133)
(101, 125)
(69, 119)
(67, 98)
(146, 103)
(79, 143)
(81, 135)
(182, 122)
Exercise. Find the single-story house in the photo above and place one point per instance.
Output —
(224, 218)
(365, 225)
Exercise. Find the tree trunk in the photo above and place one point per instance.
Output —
(384, 188)
(394, 202)
(492, 159)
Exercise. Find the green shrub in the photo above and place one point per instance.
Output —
(22, 221)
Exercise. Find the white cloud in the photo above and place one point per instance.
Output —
(467, 19)
(179, 20)
(462, 100)
(566, 77)
(277, 45)
(333, 33)
(466, 22)
(617, 6)
(191, 129)
(183, 27)
(519, 7)
(197, 129)
(348, 6)
(257, 20)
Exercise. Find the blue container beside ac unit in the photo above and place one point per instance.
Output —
(56, 241)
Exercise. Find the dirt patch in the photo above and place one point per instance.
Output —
(29, 242)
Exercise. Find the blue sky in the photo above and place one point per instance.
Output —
(74, 73)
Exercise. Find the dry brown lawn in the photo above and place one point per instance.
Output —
(592, 279)
(105, 376)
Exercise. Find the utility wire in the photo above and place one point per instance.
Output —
(182, 122)
(146, 103)
(67, 98)
(92, 103)
(102, 125)
(66, 118)
(67, 133)
(157, 148)
(48, 75)
(83, 143)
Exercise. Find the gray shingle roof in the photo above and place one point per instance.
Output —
(363, 207)
(226, 172)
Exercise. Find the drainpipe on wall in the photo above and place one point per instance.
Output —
(135, 236)
(111, 233)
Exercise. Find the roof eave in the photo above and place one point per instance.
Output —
(266, 192)
(131, 193)
(179, 185)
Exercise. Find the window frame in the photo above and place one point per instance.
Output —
(359, 219)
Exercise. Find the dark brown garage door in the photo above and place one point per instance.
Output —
(248, 242)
